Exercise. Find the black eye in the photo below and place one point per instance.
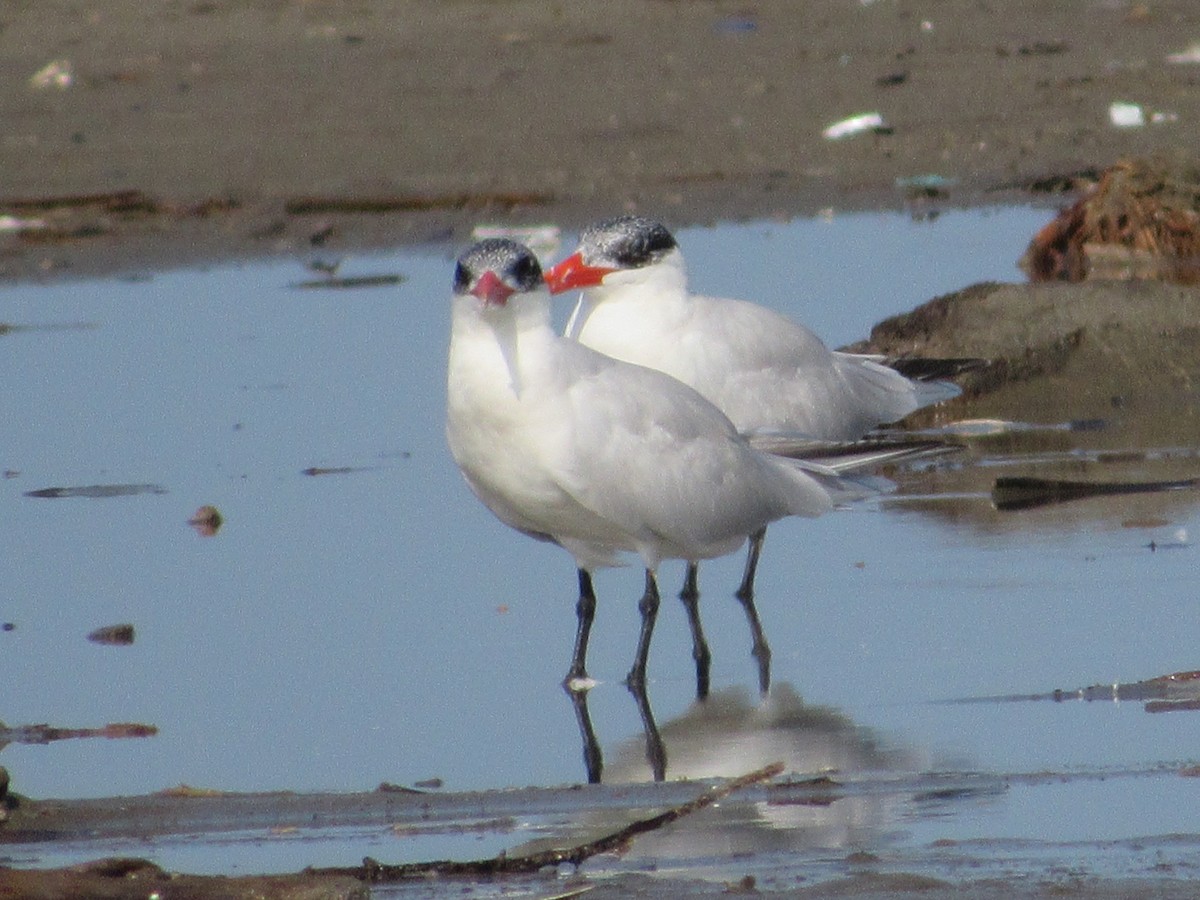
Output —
(527, 273)
(462, 281)
(659, 241)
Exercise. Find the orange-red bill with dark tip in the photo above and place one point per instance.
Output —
(574, 273)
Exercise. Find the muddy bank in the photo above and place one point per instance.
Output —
(197, 131)
(132, 879)
(1093, 387)
(1123, 355)
(674, 858)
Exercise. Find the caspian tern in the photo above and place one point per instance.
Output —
(766, 372)
(599, 456)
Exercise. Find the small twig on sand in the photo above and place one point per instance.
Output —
(371, 870)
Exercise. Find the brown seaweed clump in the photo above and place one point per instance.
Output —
(1140, 220)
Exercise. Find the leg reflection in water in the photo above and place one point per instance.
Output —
(656, 751)
(593, 760)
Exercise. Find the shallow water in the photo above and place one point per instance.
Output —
(372, 622)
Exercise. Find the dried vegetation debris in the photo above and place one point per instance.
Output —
(1023, 492)
(129, 877)
(207, 520)
(1140, 219)
(44, 733)
(96, 491)
(115, 635)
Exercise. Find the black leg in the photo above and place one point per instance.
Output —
(585, 610)
(648, 607)
(592, 759)
(656, 750)
(690, 595)
(745, 593)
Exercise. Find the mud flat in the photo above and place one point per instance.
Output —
(1122, 356)
(201, 130)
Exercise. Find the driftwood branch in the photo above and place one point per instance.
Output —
(374, 871)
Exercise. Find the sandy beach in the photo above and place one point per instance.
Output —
(196, 131)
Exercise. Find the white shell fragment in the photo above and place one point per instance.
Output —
(853, 125)
(1126, 115)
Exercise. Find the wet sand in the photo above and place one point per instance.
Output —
(194, 131)
(971, 868)
(1121, 356)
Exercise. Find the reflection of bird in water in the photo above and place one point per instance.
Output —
(729, 735)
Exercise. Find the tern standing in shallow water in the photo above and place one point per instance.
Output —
(599, 456)
(766, 372)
